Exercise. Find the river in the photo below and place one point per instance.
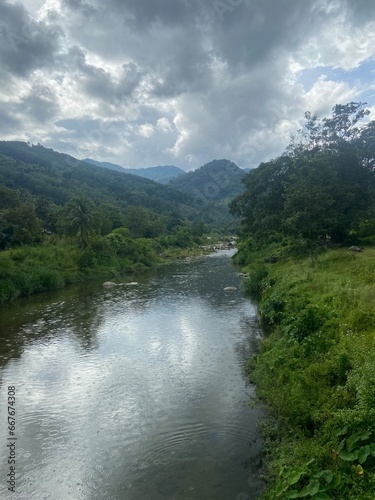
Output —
(133, 393)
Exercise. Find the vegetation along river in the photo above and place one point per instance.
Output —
(134, 392)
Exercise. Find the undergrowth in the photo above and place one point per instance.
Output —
(316, 371)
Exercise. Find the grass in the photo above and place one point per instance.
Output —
(32, 269)
(316, 371)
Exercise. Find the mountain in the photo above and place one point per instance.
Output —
(105, 164)
(58, 177)
(218, 180)
(162, 174)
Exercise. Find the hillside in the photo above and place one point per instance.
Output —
(58, 177)
(162, 174)
(218, 180)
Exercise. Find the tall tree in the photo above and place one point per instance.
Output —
(81, 218)
(324, 182)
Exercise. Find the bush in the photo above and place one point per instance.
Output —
(256, 281)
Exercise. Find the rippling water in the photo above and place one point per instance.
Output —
(135, 392)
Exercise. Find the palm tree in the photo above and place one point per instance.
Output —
(81, 218)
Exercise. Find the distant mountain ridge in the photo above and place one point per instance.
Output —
(219, 180)
(58, 177)
(162, 173)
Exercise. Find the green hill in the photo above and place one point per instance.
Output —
(59, 177)
(218, 180)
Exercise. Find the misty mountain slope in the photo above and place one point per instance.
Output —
(162, 174)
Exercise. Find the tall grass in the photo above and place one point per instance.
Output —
(316, 373)
(32, 269)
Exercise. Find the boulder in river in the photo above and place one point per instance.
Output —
(230, 289)
(109, 284)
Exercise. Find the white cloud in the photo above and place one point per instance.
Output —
(142, 83)
(146, 130)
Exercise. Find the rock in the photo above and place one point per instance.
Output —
(109, 284)
(230, 289)
(355, 249)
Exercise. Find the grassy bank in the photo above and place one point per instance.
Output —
(316, 371)
(32, 269)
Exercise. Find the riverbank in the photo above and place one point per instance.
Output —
(316, 370)
(32, 269)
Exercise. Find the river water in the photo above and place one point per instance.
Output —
(136, 392)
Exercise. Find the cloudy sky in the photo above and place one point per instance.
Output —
(155, 82)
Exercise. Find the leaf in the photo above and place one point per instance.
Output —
(341, 432)
(341, 445)
(313, 487)
(327, 475)
(372, 449)
(292, 494)
(359, 470)
(336, 480)
(304, 493)
(363, 453)
(354, 438)
(349, 457)
(322, 496)
(295, 475)
(280, 488)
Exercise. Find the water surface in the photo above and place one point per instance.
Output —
(135, 392)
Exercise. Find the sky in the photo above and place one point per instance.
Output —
(179, 82)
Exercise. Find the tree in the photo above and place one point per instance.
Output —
(323, 184)
(82, 219)
(20, 226)
(309, 201)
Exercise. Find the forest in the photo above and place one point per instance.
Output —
(307, 249)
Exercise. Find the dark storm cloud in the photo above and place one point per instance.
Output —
(8, 123)
(25, 44)
(147, 13)
(96, 82)
(40, 104)
(130, 79)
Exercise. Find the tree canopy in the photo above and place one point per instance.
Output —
(323, 185)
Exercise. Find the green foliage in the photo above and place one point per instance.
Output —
(217, 180)
(316, 373)
(19, 224)
(81, 219)
(322, 187)
(255, 283)
(57, 178)
(345, 478)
